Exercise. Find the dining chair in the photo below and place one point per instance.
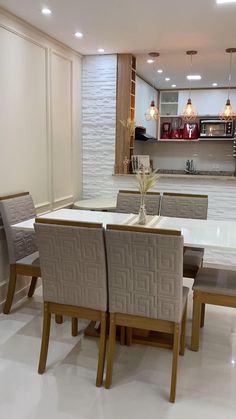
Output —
(186, 206)
(145, 284)
(211, 286)
(129, 201)
(22, 248)
(74, 278)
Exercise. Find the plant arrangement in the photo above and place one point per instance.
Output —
(145, 181)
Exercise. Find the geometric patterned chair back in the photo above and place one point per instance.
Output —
(73, 264)
(145, 272)
(15, 210)
(129, 202)
(184, 206)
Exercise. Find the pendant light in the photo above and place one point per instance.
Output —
(228, 111)
(152, 112)
(189, 113)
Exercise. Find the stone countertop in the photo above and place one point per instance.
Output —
(196, 173)
(220, 175)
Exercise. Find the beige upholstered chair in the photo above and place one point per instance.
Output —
(145, 283)
(211, 286)
(74, 278)
(129, 201)
(186, 206)
(22, 248)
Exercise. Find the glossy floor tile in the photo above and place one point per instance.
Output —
(206, 381)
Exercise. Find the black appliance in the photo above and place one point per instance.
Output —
(216, 128)
(141, 135)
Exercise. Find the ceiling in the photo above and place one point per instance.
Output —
(168, 26)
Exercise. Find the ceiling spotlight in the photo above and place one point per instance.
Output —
(78, 34)
(46, 11)
(101, 50)
(167, 79)
(160, 70)
(194, 77)
(173, 85)
(214, 84)
(150, 61)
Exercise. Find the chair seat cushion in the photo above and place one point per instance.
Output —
(215, 281)
(32, 259)
(192, 262)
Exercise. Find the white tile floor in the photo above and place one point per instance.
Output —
(206, 382)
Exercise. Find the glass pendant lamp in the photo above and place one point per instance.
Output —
(152, 112)
(228, 112)
(189, 113)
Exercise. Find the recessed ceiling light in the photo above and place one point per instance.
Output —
(101, 50)
(225, 1)
(173, 85)
(160, 70)
(46, 11)
(167, 79)
(78, 34)
(214, 84)
(194, 77)
(150, 61)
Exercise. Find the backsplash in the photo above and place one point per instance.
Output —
(206, 155)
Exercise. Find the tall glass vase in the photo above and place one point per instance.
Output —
(142, 216)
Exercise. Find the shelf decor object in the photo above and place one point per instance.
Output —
(228, 112)
(152, 112)
(145, 182)
(189, 113)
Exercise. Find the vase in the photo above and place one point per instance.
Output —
(142, 215)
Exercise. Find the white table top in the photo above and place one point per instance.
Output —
(79, 215)
(96, 204)
(212, 234)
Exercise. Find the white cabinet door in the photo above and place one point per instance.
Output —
(206, 102)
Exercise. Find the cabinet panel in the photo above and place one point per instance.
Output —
(206, 102)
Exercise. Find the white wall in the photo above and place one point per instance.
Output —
(143, 96)
(39, 115)
(206, 155)
(40, 144)
(98, 122)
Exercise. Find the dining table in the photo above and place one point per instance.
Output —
(197, 233)
(208, 234)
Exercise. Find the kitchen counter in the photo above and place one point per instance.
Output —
(164, 173)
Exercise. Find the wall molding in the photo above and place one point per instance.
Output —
(36, 31)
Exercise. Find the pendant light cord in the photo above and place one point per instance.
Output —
(190, 81)
(153, 80)
(230, 74)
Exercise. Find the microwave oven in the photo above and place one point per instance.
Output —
(216, 128)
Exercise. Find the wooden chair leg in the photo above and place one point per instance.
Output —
(32, 286)
(102, 350)
(74, 326)
(196, 322)
(111, 348)
(203, 307)
(122, 335)
(11, 290)
(175, 362)
(183, 331)
(45, 339)
(129, 331)
(58, 319)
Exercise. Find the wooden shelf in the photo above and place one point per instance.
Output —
(126, 86)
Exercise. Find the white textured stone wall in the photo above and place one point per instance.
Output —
(99, 117)
(98, 122)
